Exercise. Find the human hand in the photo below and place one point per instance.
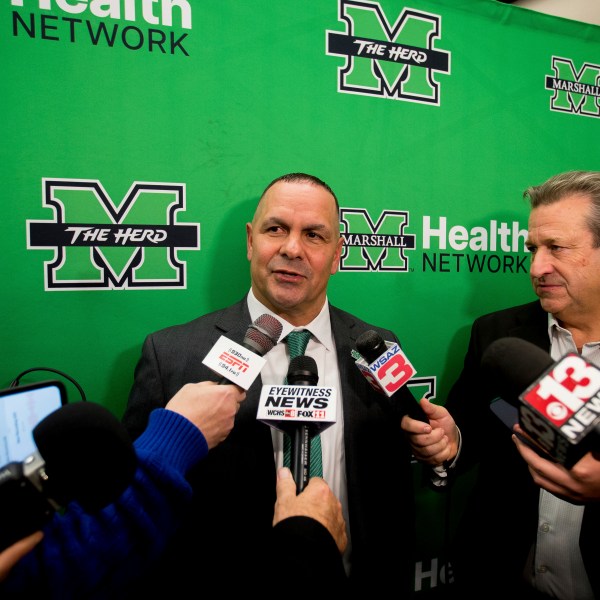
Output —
(579, 484)
(210, 407)
(10, 556)
(316, 500)
(435, 442)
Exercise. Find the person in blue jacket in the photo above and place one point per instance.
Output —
(83, 555)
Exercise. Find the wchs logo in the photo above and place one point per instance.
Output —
(397, 62)
(575, 91)
(98, 245)
(374, 245)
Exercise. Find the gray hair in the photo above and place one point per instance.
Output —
(571, 183)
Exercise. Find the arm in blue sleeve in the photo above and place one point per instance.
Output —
(84, 553)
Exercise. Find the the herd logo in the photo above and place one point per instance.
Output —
(374, 245)
(575, 90)
(397, 61)
(98, 245)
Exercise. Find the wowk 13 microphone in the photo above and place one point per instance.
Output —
(558, 402)
(84, 454)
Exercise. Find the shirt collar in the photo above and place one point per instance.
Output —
(561, 342)
(319, 327)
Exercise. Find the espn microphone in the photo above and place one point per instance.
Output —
(84, 454)
(241, 363)
(386, 368)
(558, 402)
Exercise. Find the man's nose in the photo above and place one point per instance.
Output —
(541, 263)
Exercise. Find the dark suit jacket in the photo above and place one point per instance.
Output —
(225, 533)
(499, 522)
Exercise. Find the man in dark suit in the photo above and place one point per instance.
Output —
(530, 526)
(294, 246)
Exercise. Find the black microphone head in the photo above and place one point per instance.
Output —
(370, 345)
(88, 454)
(302, 371)
(513, 364)
(263, 334)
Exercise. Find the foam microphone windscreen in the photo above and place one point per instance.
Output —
(263, 334)
(370, 345)
(513, 364)
(302, 371)
(88, 454)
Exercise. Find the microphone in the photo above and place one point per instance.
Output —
(301, 409)
(558, 402)
(302, 371)
(84, 454)
(386, 368)
(241, 363)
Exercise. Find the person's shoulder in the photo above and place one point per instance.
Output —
(352, 321)
(232, 313)
(527, 319)
(512, 313)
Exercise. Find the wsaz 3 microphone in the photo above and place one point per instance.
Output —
(387, 369)
(558, 402)
(241, 363)
(84, 454)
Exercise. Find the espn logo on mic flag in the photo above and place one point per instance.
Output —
(562, 407)
(389, 372)
(234, 362)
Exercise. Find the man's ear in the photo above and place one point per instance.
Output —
(335, 265)
(249, 241)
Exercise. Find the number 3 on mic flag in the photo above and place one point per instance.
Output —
(389, 372)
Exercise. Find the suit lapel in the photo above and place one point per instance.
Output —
(532, 325)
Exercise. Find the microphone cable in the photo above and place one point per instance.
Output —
(17, 379)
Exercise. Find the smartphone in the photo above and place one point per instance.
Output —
(21, 409)
(509, 415)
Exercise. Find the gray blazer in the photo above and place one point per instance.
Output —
(234, 487)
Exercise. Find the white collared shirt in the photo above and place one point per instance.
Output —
(321, 347)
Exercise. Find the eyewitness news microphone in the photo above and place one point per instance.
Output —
(83, 454)
(241, 363)
(301, 409)
(302, 371)
(558, 402)
(387, 368)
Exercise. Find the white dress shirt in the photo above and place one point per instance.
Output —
(321, 347)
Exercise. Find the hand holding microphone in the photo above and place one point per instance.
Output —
(579, 485)
(316, 501)
(558, 402)
(387, 369)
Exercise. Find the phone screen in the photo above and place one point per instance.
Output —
(21, 409)
(509, 415)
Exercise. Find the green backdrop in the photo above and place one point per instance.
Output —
(428, 119)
